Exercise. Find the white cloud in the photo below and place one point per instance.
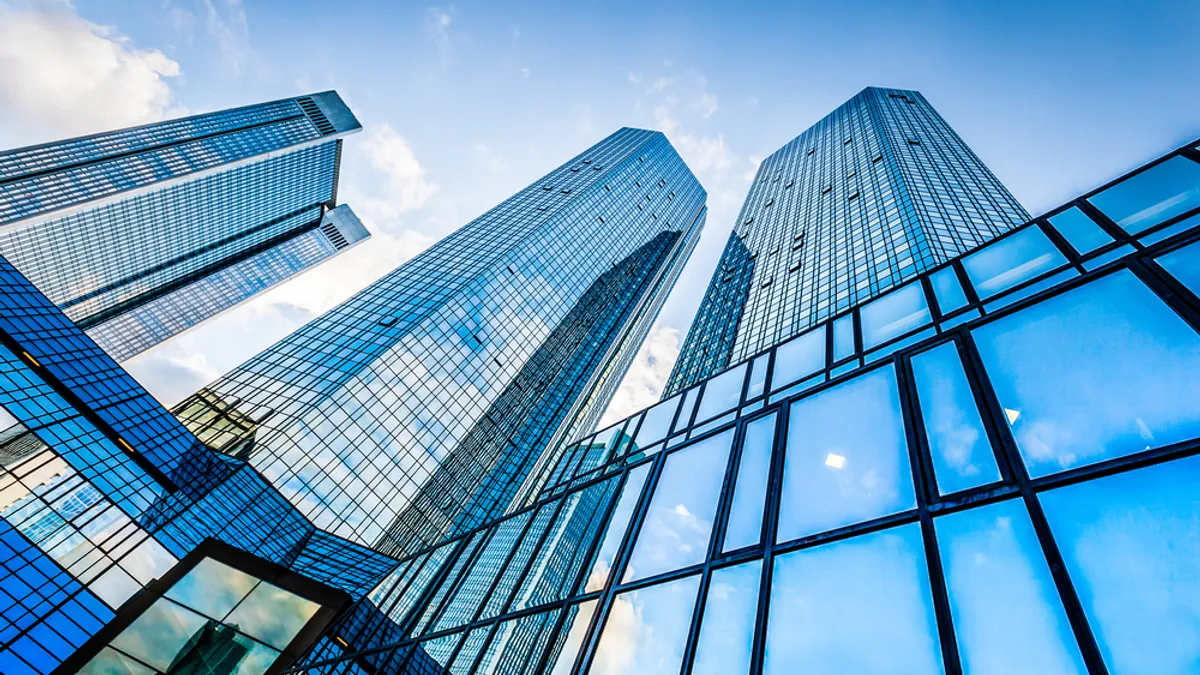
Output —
(525, 72)
(61, 75)
(399, 183)
(226, 23)
(488, 159)
(437, 24)
(643, 384)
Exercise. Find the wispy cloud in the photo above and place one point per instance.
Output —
(227, 25)
(437, 23)
(647, 376)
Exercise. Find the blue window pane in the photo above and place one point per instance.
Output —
(617, 525)
(958, 443)
(721, 393)
(678, 524)
(1011, 261)
(1083, 232)
(1006, 610)
(1184, 265)
(860, 605)
(1131, 544)
(647, 629)
(578, 617)
(948, 290)
(727, 631)
(758, 376)
(657, 422)
(843, 337)
(798, 358)
(1152, 196)
(895, 314)
(685, 410)
(1097, 372)
(744, 527)
(846, 460)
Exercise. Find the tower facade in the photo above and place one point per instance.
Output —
(141, 233)
(872, 195)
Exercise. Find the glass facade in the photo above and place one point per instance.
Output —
(877, 192)
(141, 233)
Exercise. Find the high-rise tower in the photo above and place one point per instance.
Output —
(872, 195)
(141, 233)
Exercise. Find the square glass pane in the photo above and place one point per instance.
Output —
(1011, 261)
(948, 291)
(212, 588)
(798, 358)
(272, 615)
(843, 337)
(1006, 610)
(657, 422)
(727, 630)
(678, 523)
(1100, 371)
(1131, 543)
(744, 526)
(758, 376)
(575, 630)
(1081, 231)
(1184, 264)
(899, 312)
(958, 443)
(1152, 196)
(846, 460)
(861, 605)
(617, 525)
(160, 634)
(647, 629)
(721, 393)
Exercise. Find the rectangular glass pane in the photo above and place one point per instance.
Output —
(1100, 371)
(575, 630)
(685, 411)
(1011, 261)
(744, 527)
(727, 630)
(721, 393)
(1152, 196)
(846, 460)
(958, 443)
(678, 523)
(657, 422)
(647, 629)
(860, 605)
(1081, 231)
(758, 376)
(948, 291)
(799, 357)
(899, 312)
(617, 525)
(843, 337)
(1007, 614)
(1184, 264)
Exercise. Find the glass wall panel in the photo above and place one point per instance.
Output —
(1152, 196)
(678, 523)
(1131, 543)
(843, 337)
(1184, 264)
(958, 443)
(860, 605)
(1006, 610)
(948, 290)
(758, 376)
(721, 393)
(1097, 372)
(798, 358)
(1011, 261)
(573, 632)
(647, 629)
(727, 630)
(617, 526)
(899, 312)
(846, 460)
(744, 526)
(1081, 231)
(657, 422)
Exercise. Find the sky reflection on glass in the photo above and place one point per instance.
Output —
(843, 337)
(657, 422)
(159, 633)
(647, 629)
(727, 631)
(1184, 265)
(895, 314)
(617, 525)
(948, 290)
(212, 588)
(744, 526)
(111, 662)
(1011, 261)
(272, 615)
(576, 629)
(798, 358)
(1100, 371)
(721, 393)
(1081, 231)
(1152, 196)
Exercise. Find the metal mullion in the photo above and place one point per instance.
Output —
(456, 582)
(504, 608)
(728, 486)
(1117, 465)
(1060, 242)
(1107, 224)
(1190, 152)
(771, 507)
(507, 561)
(972, 367)
(1175, 295)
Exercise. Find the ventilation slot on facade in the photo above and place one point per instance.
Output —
(335, 235)
(315, 115)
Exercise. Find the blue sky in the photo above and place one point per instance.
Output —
(464, 103)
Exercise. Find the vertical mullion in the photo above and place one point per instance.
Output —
(770, 530)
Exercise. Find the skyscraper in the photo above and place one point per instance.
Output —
(418, 407)
(141, 233)
(872, 195)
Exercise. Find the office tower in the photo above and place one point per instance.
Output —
(872, 195)
(141, 233)
(420, 406)
(990, 468)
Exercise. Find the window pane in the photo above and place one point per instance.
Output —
(1006, 610)
(958, 443)
(721, 393)
(843, 337)
(647, 629)
(1100, 371)
(1131, 544)
(1083, 232)
(846, 460)
(575, 630)
(617, 526)
(895, 314)
(112, 662)
(160, 633)
(744, 527)
(1011, 261)
(860, 605)
(678, 524)
(948, 290)
(1184, 265)
(212, 588)
(799, 357)
(657, 422)
(758, 376)
(272, 615)
(727, 631)
(1152, 196)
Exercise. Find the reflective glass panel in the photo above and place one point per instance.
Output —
(799, 357)
(575, 629)
(685, 411)
(1131, 543)
(758, 376)
(1152, 196)
(895, 314)
(1184, 265)
(1010, 261)
(657, 422)
(678, 523)
(843, 337)
(1006, 609)
(721, 393)
(948, 290)
(1100, 371)
(727, 631)
(112, 662)
(958, 444)
(160, 633)
(860, 605)
(617, 526)
(744, 527)
(846, 460)
(272, 615)
(212, 588)
(647, 629)
(1083, 232)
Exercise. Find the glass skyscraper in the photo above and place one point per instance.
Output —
(141, 233)
(872, 195)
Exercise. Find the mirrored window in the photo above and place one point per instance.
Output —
(1011, 261)
(572, 635)
(1157, 194)
(1007, 614)
(657, 422)
(647, 629)
(617, 525)
(798, 358)
(721, 393)
(1100, 371)
(727, 630)
(860, 605)
(744, 526)
(958, 444)
(758, 376)
(846, 460)
(1184, 265)
(1081, 231)
(843, 337)
(948, 291)
(899, 312)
